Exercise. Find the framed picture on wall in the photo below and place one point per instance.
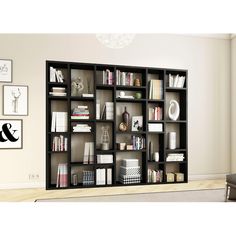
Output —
(11, 134)
(15, 100)
(137, 123)
(5, 71)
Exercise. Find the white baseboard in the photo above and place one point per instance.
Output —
(42, 184)
(22, 185)
(207, 177)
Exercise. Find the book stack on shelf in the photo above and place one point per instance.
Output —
(138, 143)
(88, 153)
(155, 113)
(59, 122)
(103, 176)
(155, 176)
(155, 127)
(155, 89)
(80, 113)
(62, 174)
(105, 159)
(124, 78)
(83, 128)
(56, 75)
(175, 157)
(59, 143)
(88, 177)
(130, 171)
(108, 111)
(176, 81)
(58, 91)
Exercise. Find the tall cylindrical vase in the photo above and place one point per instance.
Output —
(172, 140)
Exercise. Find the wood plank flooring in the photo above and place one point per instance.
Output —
(30, 195)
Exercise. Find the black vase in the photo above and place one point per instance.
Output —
(125, 117)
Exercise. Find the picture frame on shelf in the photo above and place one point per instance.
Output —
(6, 70)
(137, 123)
(15, 100)
(11, 134)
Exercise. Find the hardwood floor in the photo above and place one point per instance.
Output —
(30, 195)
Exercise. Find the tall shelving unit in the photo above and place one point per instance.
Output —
(74, 156)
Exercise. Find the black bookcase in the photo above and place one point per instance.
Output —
(74, 158)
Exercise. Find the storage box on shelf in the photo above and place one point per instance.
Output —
(87, 139)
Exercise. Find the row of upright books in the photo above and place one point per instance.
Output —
(176, 81)
(107, 77)
(59, 143)
(155, 89)
(104, 176)
(88, 153)
(155, 113)
(56, 75)
(59, 122)
(124, 78)
(155, 176)
(88, 177)
(138, 143)
(107, 112)
(62, 175)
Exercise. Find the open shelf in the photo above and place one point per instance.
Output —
(101, 80)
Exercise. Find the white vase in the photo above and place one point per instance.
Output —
(174, 110)
(172, 140)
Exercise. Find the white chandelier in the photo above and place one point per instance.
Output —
(115, 40)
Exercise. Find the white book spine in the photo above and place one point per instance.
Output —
(109, 176)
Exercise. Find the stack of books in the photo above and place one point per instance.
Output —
(59, 143)
(88, 153)
(155, 89)
(175, 157)
(105, 159)
(124, 78)
(155, 113)
(59, 122)
(155, 176)
(176, 81)
(56, 75)
(130, 171)
(58, 91)
(88, 177)
(103, 176)
(62, 174)
(155, 127)
(138, 143)
(82, 128)
(80, 113)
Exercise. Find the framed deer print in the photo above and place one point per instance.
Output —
(15, 100)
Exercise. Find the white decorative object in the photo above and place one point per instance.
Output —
(156, 156)
(115, 40)
(172, 140)
(174, 110)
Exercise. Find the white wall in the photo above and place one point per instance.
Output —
(233, 105)
(208, 62)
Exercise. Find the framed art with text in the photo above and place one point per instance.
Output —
(15, 100)
(11, 134)
(5, 71)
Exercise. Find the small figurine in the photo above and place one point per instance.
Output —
(137, 82)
